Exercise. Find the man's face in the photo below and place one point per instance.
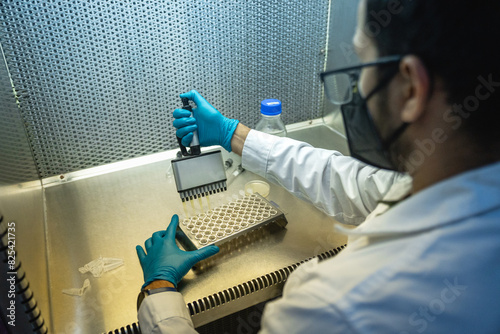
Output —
(384, 113)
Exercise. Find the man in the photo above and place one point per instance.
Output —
(424, 102)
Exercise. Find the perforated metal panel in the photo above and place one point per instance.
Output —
(16, 161)
(98, 80)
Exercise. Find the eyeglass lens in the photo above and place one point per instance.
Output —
(338, 88)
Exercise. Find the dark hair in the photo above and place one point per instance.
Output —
(457, 40)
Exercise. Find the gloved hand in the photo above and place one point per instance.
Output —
(213, 128)
(164, 260)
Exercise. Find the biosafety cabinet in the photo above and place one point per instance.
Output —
(87, 90)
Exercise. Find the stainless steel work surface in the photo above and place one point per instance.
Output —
(109, 214)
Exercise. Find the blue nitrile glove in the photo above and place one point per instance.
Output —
(164, 260)
(213, 128)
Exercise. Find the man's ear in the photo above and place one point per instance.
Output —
(415, 88)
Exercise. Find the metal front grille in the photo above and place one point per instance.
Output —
(98, 80)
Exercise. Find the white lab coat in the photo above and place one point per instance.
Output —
(429, 264)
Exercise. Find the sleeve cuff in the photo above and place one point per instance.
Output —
(256, 151)
(162, 307)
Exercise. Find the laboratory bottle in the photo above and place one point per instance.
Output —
(270, 121)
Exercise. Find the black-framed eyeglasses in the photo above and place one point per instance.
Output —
(340, 84)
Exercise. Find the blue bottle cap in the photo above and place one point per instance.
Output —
(270, 107)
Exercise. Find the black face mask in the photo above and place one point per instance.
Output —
(365, 142)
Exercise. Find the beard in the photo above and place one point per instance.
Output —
(397, 149)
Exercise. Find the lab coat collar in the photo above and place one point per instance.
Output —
(452, 200)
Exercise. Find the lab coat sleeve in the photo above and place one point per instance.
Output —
(340, 186)
(165, 312)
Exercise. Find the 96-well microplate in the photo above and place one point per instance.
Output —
(226, 222)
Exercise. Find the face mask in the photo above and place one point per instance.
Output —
(363, 137)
